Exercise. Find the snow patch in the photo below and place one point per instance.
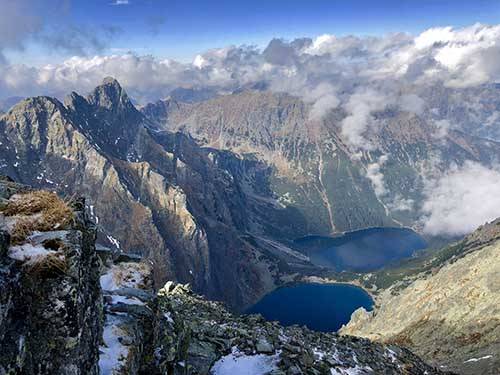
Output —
(241, 364)
(168, 316)
(113, 353)
(126, 300)
(114, 241)
(29, 253)
(478, 359)
(351, 371)
(124, 275)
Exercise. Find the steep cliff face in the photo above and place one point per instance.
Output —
(50, 299)
(203, 216)
(449, 314)
(314, 166)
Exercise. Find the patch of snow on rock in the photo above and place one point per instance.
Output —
(478, 359)
(124, 275)
(351, 371)
(113, 353)
(241, 364)
(126, 300)
(29, 253)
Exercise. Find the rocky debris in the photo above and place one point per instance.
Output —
(50, 299)
(448, 315)
(197, 336)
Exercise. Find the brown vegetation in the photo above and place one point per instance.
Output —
(40, 211)
(51, 265)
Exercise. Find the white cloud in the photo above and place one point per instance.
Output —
(400, 203)
(411, 103)
(461, 200)
(324, 98)
(376, 177)
(120, 2)
(358, 74)
(360, 106)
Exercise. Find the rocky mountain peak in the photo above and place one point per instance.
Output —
(110, 95)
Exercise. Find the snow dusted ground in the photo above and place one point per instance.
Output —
(113, 353)
(125, 275)
(119, 334)
(351, 371)
(241, 364)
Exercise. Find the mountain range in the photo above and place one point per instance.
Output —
(214, 190)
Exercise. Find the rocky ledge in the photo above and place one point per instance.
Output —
(50, 300)
(178, 332)
(201, 337)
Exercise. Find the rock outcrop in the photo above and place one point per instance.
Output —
(179, 332)
(448, 314)
(201, 337)
(50, 299)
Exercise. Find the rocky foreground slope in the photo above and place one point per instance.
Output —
(50, 299)
(69, 308)
(449, 314)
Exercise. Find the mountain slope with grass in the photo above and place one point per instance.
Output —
(316, 167)
(448, 311)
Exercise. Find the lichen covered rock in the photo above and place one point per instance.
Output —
(50, 299)
(196, 336)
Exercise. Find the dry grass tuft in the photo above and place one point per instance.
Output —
(21, 230)
(51, 265)
(41, 210)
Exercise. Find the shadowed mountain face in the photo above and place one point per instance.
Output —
(202, 216)
(313, 166)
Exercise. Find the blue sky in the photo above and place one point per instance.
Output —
(181, 29)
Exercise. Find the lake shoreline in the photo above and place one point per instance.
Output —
(322, 307)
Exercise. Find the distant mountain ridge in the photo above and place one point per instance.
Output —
(315, 169)
(219, 216)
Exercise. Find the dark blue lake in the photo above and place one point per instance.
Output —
(363, 250)
(321, 307)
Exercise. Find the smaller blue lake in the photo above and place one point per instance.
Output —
(363, 250)
(320, 307)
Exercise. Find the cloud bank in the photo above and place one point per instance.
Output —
(328, 68)
(461, 200)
